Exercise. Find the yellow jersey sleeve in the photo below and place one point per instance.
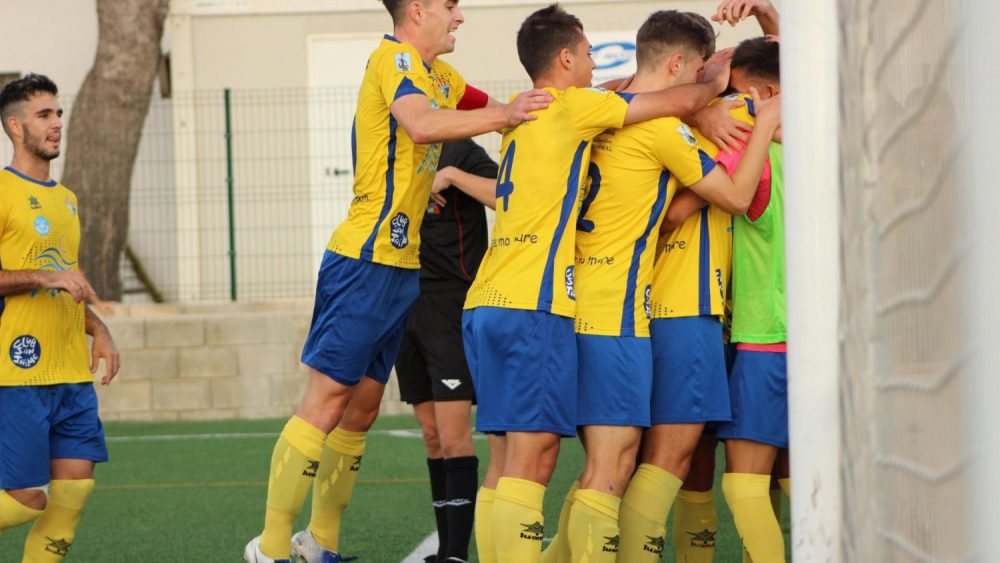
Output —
(595, 109)
(399, 72)
(392, 174)
(42, 337)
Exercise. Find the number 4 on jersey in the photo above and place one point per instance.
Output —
(504, 186)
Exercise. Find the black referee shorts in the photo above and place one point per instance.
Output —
(431, 363)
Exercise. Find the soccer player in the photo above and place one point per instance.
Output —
(433, 374)
(758, 387)
(634, 172)
(50, 434)
(695, 519)
(518, 324)
(368, 278)
(758, 384)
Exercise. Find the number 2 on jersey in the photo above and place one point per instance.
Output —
(504, 186)
(582, 223)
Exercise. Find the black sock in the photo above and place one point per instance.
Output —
(462, 482)
(436, 467)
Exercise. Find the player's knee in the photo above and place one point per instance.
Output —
(456, 442)
(359, 419)
(431, 438)
(35, 498)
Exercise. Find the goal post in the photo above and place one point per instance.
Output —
(810, 106)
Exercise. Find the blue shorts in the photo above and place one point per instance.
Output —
(615, 380)
(690, 383)
(41, 423)
(358, 318)
(523, 366)
(759, 391)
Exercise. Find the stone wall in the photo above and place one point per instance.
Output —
(205, 362)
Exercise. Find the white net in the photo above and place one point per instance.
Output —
(903, 338)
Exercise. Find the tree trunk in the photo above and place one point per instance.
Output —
(104, 131)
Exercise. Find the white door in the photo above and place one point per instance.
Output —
(336, 68)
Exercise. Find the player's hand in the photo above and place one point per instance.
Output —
(718, 125)
(519, 110)
(104, 348)
(71, 282)
(716, 70)
(442, 180)
(735, 11)
(768, 111)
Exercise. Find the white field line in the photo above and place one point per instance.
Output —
(426, 547)
(409, 433)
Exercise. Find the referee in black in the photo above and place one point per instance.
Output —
(431, 367)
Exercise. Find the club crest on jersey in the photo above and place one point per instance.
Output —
(42, 225)
(34, 203)
(403, 62)
(685, 132)
(569, 283)
(25, 351)
(397, 230)
(646, 302)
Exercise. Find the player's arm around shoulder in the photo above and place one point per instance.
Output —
(726, 122)
(686, 98)
(425, 124)
(734, 195)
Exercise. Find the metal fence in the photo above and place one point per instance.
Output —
(235, 193)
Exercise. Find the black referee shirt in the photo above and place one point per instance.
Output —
(454, 236)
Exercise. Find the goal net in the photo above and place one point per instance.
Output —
(903, 341)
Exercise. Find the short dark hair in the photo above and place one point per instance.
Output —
(396, 8)
(22, 90)
(759, 58)
(669, 29)
(543, 34)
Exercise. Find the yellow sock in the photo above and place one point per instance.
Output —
(484, 526)
(786, 487)
(518, 525)
(695, 526)
(748, 497)
(13, 513)
(52, 535)
(644, 510)
(593, 527)
(558, 549)
(334, 484)
(293, 466)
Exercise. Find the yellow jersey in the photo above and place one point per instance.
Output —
(529, 264)
(392, 174)
(691, 274)
(42, 331)
(634, 173)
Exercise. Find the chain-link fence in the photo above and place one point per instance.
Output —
(235, 194)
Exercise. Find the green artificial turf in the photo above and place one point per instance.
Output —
(168, 497)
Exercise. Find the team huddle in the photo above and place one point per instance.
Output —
(625, 241)
(631, 293)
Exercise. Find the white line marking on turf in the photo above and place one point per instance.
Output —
(426, 547)
(250, 435)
